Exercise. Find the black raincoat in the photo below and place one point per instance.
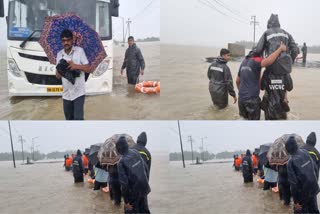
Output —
(283, 184)
(301, 173)
(114, 184)
(132, 177)
(313, 152)
(247, 168)
(221, 82)
(77, 167)
(143, 151)
(275, 87)
(270, 42)
(133, 62)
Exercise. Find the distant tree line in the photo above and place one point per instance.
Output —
(176, 156)
(148, 39)
(249, 45)
(58, 155)
(7, 156)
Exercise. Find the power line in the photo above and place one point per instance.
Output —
(212, 6)
(144, 9)
(225, 6)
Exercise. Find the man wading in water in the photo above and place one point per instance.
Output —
(133, 62)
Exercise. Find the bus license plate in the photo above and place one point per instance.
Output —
(54, 89)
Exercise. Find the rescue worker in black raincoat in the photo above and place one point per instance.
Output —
(270, 42)
(274, 102)
(221, 82)
(133, 62)
(247, 168)
(284, 185)
(248, 82)
(133, 179)
(143, 151)
(313, 152)
(114, 184)
(302, 178)
(77, 167)
(276, 80)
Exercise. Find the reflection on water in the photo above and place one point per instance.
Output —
(185, 93)
(47, 188)
(122, 103)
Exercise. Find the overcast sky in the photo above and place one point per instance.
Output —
(236, 135)
(192, 22)
(163, 136)
(145, 19)
(61, 135)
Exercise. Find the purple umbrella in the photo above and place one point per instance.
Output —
(84, 36)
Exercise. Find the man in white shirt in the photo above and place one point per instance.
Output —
(73, 94)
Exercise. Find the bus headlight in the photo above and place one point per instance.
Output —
(13, 68)
(103, 67)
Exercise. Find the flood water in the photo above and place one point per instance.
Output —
(122, 103)
(47, 188)
(217, 188)
(185, 93)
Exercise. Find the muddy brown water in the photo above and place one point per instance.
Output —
(122, 103)
(217, 188)
(185, 94)
(47, 188)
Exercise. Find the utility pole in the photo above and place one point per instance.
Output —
(123, 36)
(124, 39)
(128, 26)
(255, 23)
(21, 140)
(190, 140)
(32, 147)
(13, 158)
(202, 155)
(184, 165)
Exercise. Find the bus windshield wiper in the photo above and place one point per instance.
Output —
(28, 38)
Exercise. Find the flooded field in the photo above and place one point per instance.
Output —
(217, 188)
(47, 188)
(122, 103)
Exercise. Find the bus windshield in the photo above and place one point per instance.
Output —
(26, 16)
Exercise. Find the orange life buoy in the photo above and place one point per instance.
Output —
(260, 181)
(91, 181)
(148, 87)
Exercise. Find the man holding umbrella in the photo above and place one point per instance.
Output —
(69, 38)
(73, 94)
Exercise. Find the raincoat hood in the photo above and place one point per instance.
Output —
(122, 146)
(248, 153)
(142, 139)
(79, 152)
(220, 59)
(291, 145)
(273, 21)
(311, 139)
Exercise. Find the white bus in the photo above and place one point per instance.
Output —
(29, 70)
